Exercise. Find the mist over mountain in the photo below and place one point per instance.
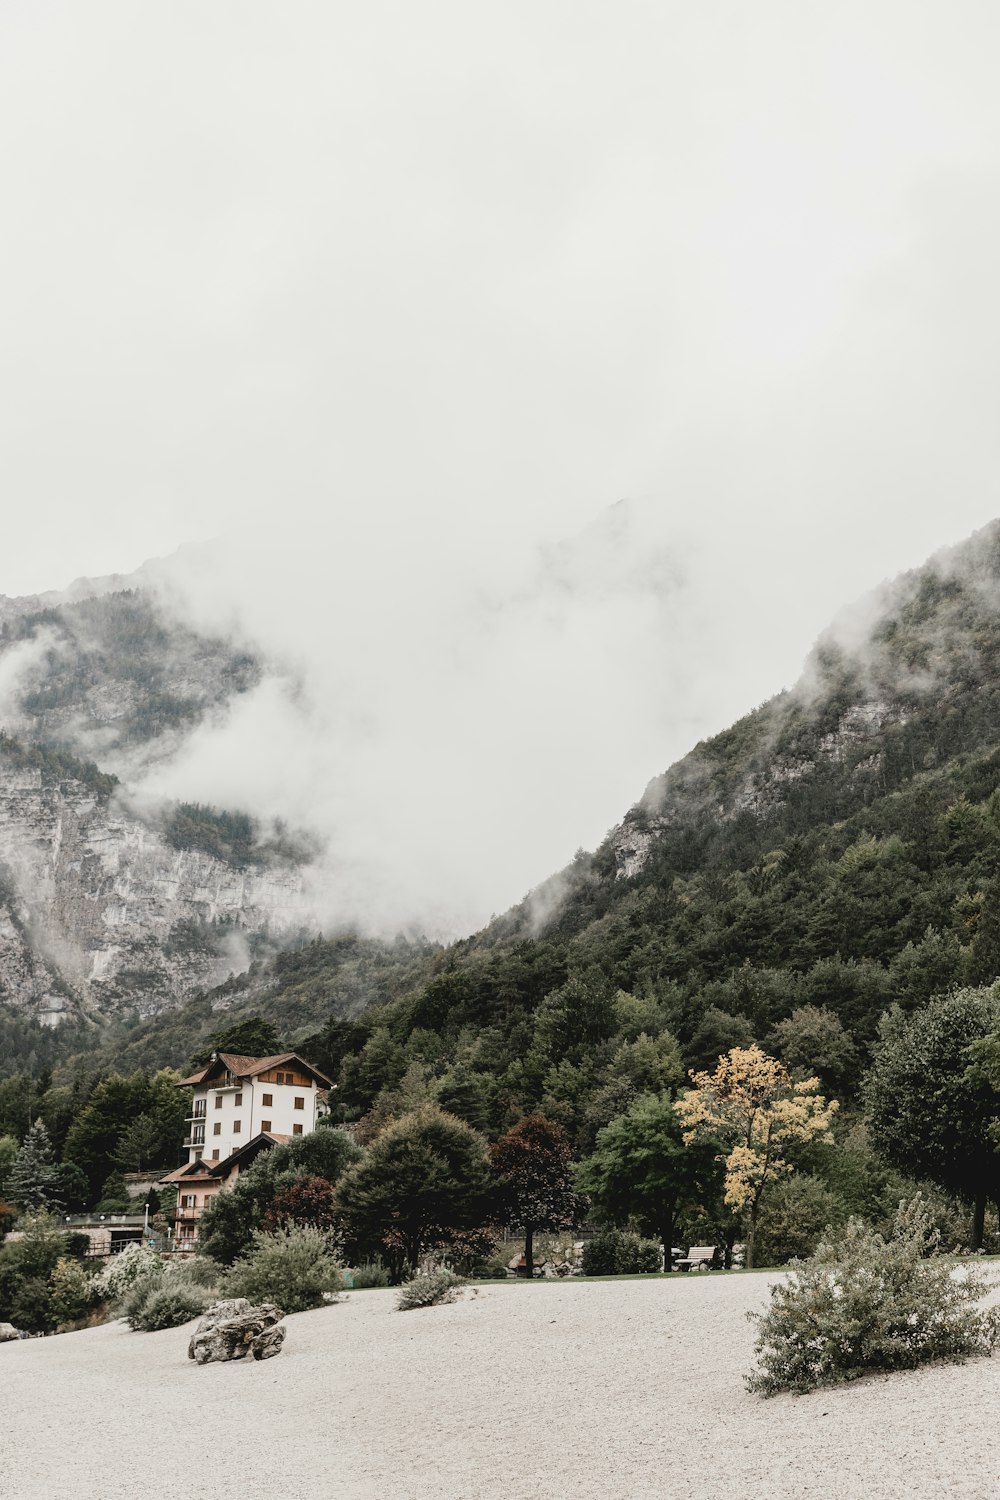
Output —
(837, 849)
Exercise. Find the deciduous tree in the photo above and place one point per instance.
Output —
(929, 1106)
(537, 1190)
(424, 1178)
(643, 1169)
(752, 1104)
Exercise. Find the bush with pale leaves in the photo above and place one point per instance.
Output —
(862, 1303)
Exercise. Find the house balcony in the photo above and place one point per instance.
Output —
(194, 1140)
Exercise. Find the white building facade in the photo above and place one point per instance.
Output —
(237, 1098)
(239, 1107)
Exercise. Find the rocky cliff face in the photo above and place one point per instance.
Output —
(101, 914)
(100, 910)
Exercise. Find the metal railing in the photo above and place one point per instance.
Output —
(105, 1221)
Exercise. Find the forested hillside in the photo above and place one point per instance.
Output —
(838, 849)
(808, 881)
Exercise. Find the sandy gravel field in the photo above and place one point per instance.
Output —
(570, 1390)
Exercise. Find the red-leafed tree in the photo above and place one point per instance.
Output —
(308, 1200)
(533, 1164)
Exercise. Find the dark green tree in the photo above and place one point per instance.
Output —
(813, 1041)
(927, 1113)
(252, 1037)
(642, 1170)
(462, 1092)
(32, 1182)
(426, 1178)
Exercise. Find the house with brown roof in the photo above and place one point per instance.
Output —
(240, 1106)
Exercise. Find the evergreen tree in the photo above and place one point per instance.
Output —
(32, 1181)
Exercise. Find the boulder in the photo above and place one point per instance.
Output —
(269, 1343)
(236, 1328)
(8, 1332)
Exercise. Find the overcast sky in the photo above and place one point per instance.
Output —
(369, 308)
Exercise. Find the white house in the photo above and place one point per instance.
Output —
(240, 1106)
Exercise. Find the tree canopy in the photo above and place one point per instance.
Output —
(929, 1106)
(642, 1169)
(424, 1180)
(752, 1103)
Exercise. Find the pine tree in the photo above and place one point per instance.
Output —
(32, 1183)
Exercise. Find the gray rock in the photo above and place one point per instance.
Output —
(236, 1328)
(8, 1332)
(269, 1343)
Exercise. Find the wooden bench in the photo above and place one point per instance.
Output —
(698, 1258)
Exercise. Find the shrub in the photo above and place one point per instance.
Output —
(291, 1267)
(31, 1306)
(169, 1293)
(428, 1291)
(198, 1271)
(371, 1273)
(794, 1218)
(616, 1252)
(866, 1303)
(495, 1269)
(122, 1270)
(71, 1290)
(134, 1299)
(167, 1305)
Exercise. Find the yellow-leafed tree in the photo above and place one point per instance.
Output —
(752, 1103)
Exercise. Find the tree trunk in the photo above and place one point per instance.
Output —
(979, 1221)
(529, 1238)
(667, 1236)
(751, 1236)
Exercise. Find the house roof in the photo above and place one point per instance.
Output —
(248, 1153)
(194, 1171)
(190, 1169)
(247, 1067)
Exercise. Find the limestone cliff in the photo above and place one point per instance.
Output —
(103, 910)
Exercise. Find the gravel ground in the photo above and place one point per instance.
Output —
(554, 1391)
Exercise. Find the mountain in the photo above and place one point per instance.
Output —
(107, 908)
(836, 850)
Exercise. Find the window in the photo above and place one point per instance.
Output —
(299, 1103)
(236, 1127)
(238, 1100)
(296, 1130)
(218, 1101)
(265, 1124)
(267, 1099)
(215, 1155)
(279, 1077)
(217, 1128)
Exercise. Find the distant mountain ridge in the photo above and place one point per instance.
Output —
(839, 848)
